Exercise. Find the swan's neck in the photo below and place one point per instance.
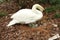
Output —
(37, 6)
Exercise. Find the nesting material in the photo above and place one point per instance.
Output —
(54, 37)
(55, 25)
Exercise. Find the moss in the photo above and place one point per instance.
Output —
(57, 15)
(2, 14)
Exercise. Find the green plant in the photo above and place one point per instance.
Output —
(57, 15)
(52, 2)
(2, 14)
(43, 1)
(58, 1)
(58, 6)
(2, 1)
(50, 9)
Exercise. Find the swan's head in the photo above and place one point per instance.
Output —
(37, 7)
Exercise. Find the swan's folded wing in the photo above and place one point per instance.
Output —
(24, 14)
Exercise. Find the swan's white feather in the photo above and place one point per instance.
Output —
(26, 16)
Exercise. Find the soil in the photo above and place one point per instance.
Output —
(44, 31)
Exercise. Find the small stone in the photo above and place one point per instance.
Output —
(55, 25)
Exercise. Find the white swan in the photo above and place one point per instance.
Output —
(27, 16)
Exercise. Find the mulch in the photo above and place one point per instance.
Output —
(44, 31)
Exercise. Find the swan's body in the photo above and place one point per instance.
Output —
(27, 16)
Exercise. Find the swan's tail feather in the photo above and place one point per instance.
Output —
(12, 23)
